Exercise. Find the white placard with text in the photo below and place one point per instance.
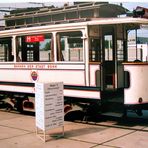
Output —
(49, 105)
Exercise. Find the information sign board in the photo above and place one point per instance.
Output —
(49, 105)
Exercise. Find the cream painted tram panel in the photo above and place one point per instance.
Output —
(14, 75)
(31, 73)
(95, 77)
(69, 77)
(138, 84)
(70, 74)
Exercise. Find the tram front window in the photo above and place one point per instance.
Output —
(137, 45)
(108, 48)
(94, 52)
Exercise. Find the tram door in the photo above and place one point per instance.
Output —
(108, 60)
(112, 95)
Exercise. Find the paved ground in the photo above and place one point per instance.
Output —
(18, 131)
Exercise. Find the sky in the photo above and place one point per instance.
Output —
(14, 1)
(130, 4)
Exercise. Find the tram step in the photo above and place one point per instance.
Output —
(113, 107)
(114, 114)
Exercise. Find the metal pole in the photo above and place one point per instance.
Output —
(136, 45)
(147, 53)
(141, 53)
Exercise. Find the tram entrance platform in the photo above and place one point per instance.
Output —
(18, 131)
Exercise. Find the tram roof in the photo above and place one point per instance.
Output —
(40, 16)
(76, 25)
(122, 20)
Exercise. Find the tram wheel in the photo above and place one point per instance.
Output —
(74, 115)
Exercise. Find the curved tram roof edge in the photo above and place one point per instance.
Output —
(76, 25)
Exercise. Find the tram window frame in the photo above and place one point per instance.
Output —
(70, 46)
(120, 50)
(108, 49)
(39, 50)
(6, 49)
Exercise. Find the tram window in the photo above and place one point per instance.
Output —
(46, 48)
(94, 52)
(35, 48)
(87, 13)
(18, 49)
(19, 22)
(72, 15)
(138, 53)
(120, 51)
(6, 50)
(108, 47)
(69, 46)
(137, 49)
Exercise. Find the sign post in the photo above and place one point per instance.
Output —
(49, 108)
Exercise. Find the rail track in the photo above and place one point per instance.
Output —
(130, 122)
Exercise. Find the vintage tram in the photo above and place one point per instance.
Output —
(89, 55)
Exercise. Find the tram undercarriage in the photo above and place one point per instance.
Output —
(16, 102)
(110, 104)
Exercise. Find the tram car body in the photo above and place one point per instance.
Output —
(89, 57)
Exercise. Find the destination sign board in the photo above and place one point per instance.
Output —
(36, 38)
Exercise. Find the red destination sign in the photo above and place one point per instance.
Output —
(37, 38)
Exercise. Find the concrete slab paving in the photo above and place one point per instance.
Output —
(31, 141)
(120, 125)
(133, 140)
(8, 115)
(20, 122)
(101, 146)
(102, 136)
(7, 132)
(19, 131)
